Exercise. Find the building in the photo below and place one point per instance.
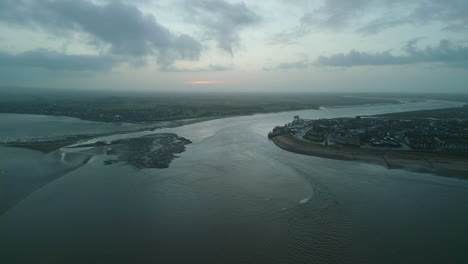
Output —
(348, 139)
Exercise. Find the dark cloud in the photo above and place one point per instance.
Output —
(452, 13)
(122, 26)
(446, 52)
(215, 67)
(336, 13)
(379, 25)
(456, 28)
(356, 58)
(222, 20)
(340, 14)
(183, 47)
(333, 14)
(52, 60)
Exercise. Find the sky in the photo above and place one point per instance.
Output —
(229, 46)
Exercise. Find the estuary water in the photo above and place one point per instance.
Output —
(24, 127)
(234, 197)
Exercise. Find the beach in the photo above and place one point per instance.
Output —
(439, 163)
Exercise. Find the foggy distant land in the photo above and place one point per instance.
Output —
(149, 107)
(455, 112)
(138, 107)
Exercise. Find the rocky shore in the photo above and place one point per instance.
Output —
(443, 164)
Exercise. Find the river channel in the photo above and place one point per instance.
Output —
(234, 197)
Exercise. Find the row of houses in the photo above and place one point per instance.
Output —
(432, 142)
(418, 134)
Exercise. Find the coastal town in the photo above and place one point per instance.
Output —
(386, 133)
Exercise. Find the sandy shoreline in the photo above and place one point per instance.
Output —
(442, 164)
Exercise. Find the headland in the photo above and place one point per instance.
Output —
(404, 141)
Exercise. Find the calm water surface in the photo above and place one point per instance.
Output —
(234, 197)
(25, 127)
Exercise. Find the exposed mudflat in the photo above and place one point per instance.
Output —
(443, 164)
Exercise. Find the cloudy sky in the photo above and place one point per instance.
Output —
(228, 45)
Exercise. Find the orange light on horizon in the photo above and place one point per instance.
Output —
(205, 82)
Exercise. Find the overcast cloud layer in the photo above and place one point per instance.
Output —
(336, 14)
(123, 27)
(250, 45)
(446, 52)
(221, 20)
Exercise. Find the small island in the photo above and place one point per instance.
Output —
(434, 141)
(150, 151)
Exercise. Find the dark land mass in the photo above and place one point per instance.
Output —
(152, 151)
(142, 108)
(458, 97)
(433, 141)
(447, 113)
(444, 164)
(50, 145)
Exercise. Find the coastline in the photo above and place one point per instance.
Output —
(442, 164)
(50, 145)
(53, 165)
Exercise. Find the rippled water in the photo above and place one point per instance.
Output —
(234, 197)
